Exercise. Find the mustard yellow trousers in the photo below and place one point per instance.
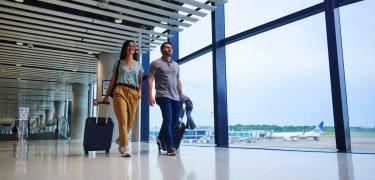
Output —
(125, 104)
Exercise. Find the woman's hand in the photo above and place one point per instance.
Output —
(105, 99)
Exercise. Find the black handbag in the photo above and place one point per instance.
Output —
(116, 75)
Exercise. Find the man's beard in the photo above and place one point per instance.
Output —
(167, 54)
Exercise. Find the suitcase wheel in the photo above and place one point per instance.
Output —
(107, 152)
(86, 153)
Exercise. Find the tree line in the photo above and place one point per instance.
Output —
(276, 128)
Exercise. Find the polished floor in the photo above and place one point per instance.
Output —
(38, 160)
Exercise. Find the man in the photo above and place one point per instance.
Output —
(166, 74)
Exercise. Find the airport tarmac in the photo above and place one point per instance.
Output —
(359, 144)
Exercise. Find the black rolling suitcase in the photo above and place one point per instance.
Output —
(178, 133)
(98, 133)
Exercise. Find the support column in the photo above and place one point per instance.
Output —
(59, 113)
(48, 115)
(49, 111)
(59, 108)
(79, 109)
(145, 111)
(175, 44)
(37, 120)
(42, 113)
(33, 114)
(219, 78)
(41, 119)
(337, 74)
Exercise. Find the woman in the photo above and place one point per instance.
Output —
(127, 81)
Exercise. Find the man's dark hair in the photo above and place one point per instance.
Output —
(165, 43)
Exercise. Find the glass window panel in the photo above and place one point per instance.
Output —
(279, 88)
(195, 37)
(241, 15)
(358, 41)
(196, 77)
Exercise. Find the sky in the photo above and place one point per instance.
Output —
(281, 76)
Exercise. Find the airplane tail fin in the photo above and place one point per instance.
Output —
(319, 128)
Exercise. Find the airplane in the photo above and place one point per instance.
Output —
(294, 136)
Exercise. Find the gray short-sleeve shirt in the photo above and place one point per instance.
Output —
(166, 74)
(128, 75)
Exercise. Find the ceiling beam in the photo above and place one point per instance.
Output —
(110, 14)
(197, 4)
(80, 18)
(129, 11)
(175, 7)
(154, 10)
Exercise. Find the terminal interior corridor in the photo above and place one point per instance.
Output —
(58, 160)
(267, 90)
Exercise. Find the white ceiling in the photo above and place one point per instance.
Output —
(61, 38)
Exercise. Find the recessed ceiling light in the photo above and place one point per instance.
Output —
(118, 20)
(18, 65)
(18, 43)
(103, 5)
(89, 52)
(21, 1)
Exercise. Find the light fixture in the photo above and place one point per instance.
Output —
(20, 1)
(19, 43)
(18, 65)
(102, 5)
(89, 52)
(118, 20)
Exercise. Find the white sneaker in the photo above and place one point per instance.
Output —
(126, 154)
(124, 151)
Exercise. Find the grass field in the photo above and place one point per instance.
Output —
(353, 133)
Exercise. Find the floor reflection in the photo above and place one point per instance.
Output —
(178, 172)
(65, 160)
(222, 164)
(345, 166)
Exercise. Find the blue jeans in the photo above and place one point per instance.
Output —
(170, 110)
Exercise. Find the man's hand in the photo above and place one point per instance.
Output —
(150, 100)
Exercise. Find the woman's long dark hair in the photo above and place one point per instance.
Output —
(124, 50)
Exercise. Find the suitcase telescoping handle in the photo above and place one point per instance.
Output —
(97, 112)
